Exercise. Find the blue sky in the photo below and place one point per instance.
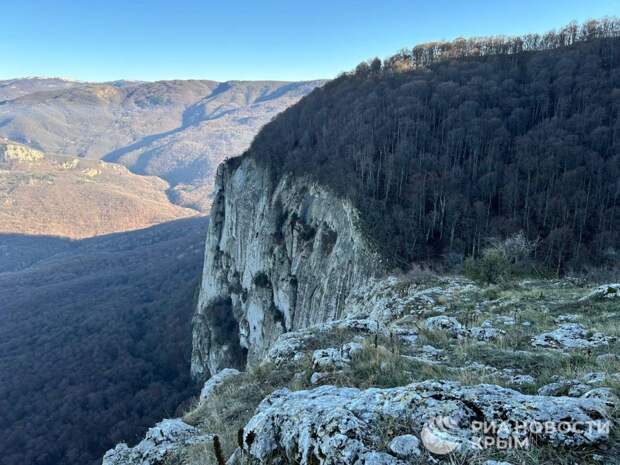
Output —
(261, 39)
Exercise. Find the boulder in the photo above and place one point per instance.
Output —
(605, 394)
(506, 320)
(335, 359)
(604, 359)
(594, 377)
(521, 379)
(292, 346)
(161, 442)
(571, 336)
(570, 387)
(318, 377)
(486, 332)
(339, 426)
(406, 335)
(406, 446)
(329, 359)
(350, 349)
(445, 323)
(431, 352)
(212, 383)
(605, 291)
(572, 318)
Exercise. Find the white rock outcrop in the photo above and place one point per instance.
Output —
(393, 297)
(572, 388)
(329, 359)
(14, 152)
(448, 324)
(605, 394)
(571, 336)
(406, 446)
(607, 359)
(216, 380)
(292, 346)
(339, 426)
(160, 443)
(605, 291)
(486, 332)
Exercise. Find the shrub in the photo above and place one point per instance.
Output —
(492, 267)
(503, 260)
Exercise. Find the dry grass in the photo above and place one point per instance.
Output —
(375, 366)
(234, 402)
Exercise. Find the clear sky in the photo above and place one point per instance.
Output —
(261, 39)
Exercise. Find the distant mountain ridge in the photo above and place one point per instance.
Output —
(76, 198)
(178, 130)
(14, 88)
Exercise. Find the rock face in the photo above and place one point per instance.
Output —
(160, 443)
(330, 425)
(280, 256)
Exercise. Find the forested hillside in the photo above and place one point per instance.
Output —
(447, 145)
(95, 339)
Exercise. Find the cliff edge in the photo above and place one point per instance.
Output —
(280, 255)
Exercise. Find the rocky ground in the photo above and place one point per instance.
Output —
(423, 369)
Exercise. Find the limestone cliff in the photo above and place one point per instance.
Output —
(281, 254)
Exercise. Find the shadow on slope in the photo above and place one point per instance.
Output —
(19, 251)
(95, 339)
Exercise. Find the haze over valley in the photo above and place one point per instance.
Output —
(177, 130)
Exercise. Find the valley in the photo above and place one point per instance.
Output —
(177, 130)
(95, 338)
(103, 192)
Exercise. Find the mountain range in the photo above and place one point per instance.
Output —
(177, 130)
(420, 255)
